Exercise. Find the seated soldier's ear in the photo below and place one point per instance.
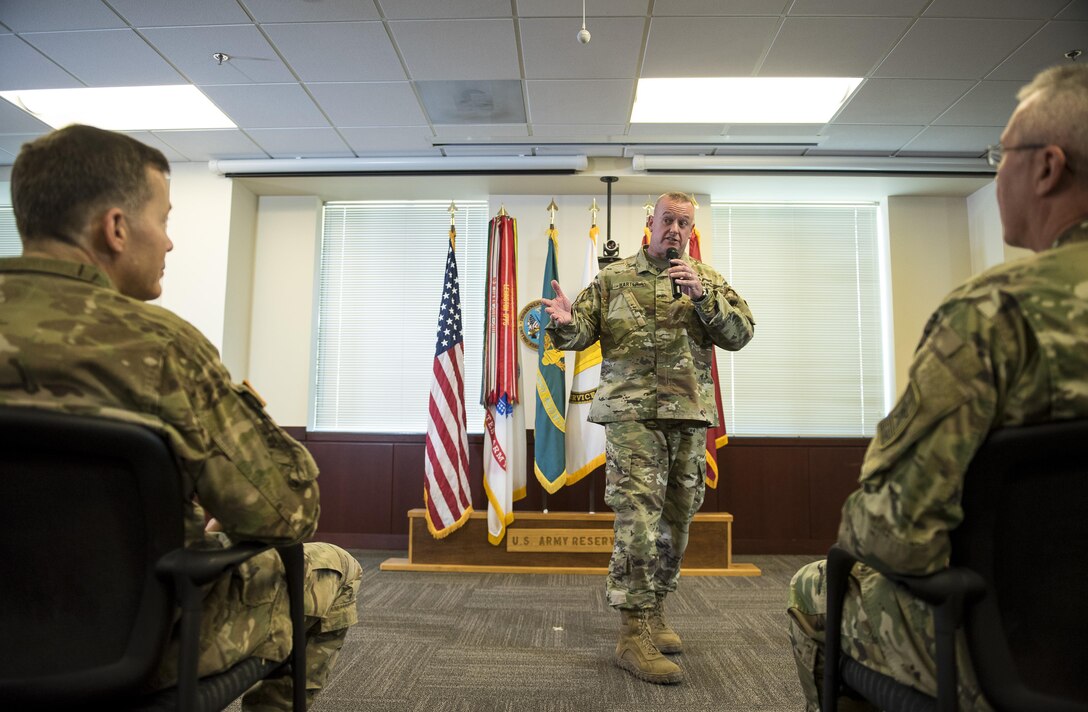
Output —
(114, 229)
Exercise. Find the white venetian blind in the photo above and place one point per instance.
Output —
(810, 274)
(9, 236)
(380, 285)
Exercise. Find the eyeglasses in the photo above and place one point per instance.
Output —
(995, 153)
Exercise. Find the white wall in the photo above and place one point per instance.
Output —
(195, 284)
(280, 358)
(930, 254)
(238, 306)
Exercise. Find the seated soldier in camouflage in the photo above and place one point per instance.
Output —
(655, 401)
(1008, 348)
(91, 209)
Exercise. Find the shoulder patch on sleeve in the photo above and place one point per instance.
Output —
(893, 425)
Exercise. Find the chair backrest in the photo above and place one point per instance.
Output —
(87, 506)
(1025, 531)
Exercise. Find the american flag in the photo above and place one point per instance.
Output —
(446, 490)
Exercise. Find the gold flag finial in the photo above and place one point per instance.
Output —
(593, 210)
(451, 210)
(502, 211)
(649, 206)
(694, 202)
(552, 210)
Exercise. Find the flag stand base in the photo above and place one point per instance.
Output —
(557, 542)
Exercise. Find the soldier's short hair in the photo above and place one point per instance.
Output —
(61, 179)
(1057, 115)
(676, 197)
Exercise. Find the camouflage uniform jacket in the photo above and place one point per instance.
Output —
(1008, 348)
(70, 341)
(656, 349)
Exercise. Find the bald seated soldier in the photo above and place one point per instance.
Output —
(78, 336)
(1008, 348)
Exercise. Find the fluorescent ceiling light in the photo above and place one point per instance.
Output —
(181, 106)
(745, 100)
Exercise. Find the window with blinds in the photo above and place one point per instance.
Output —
(810, 274)
(9, 236)
(380, 284)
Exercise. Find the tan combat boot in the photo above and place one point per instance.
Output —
(664, 637)
(636, 652)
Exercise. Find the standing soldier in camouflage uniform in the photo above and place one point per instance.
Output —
(76, 336)
(1008, 348)
(655, 400)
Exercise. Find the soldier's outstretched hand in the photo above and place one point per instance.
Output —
(559, 308)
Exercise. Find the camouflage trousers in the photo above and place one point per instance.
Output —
(654, 483)
(884, 628)
(247, 614)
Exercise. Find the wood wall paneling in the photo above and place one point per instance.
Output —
(785, 493)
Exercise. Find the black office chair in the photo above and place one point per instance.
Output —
(94, 571)
(1015, 584)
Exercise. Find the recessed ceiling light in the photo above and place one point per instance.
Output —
(744, 100)
(180, 106)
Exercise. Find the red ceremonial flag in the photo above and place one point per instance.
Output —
(715, 437)
(504, 422)
(446, 491)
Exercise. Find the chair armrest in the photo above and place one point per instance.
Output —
(200, 566)
(940, 586)
(948, 591)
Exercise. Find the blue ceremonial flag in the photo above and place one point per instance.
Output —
(549, 447)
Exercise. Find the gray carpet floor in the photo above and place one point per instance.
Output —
(449, 642)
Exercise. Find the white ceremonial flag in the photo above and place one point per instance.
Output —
(585, 440)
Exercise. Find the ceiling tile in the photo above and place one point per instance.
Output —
(1043, 50)
(106, 58)
(458, 49)
(1076, 10)
(958, 140)
(988, 104)
(369, 104)
(15, 120)
(838, 138)
(324, 11)
(573, 8)
(209, 145)
(497, 101)
(150, 139)
(831, 47)
(362, 51)
(12, 143)
(445, 10)
(388, 140)
(731, 150)
(600, 101)
(858, 8)
(248, 106)
(48, 15)
(901, 101)
(712, 47)
(580, 132)
(719, 7)
(298, 143)
(552, 51)
(23, 67)
(1041, 9)
(955, 48)
(459, 132)
(170, 13)
(190, 49)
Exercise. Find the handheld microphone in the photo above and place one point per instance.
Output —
(673, 254)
